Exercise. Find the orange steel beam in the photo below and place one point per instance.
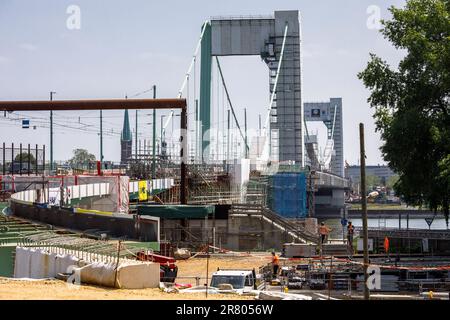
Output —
(109, 104)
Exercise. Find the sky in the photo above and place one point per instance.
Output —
(125, 47)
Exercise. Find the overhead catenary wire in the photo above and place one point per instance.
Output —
(63, 126)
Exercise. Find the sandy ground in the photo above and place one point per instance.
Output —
(198, 266)
(59, 290)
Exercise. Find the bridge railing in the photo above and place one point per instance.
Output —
(407, 233)
(331, 180)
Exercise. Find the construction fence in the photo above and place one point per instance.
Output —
(22, 159)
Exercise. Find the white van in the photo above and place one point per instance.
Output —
(234, 281)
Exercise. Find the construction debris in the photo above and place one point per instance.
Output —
(182, 254)
(281, 296)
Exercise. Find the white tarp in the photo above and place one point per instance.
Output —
(124, 197)
(36, 263)
(130, 274)
(22, 263)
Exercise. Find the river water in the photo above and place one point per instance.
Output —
(416, 223)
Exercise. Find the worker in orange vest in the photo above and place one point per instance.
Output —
(275, 264)
(324, 231)
(386, 245)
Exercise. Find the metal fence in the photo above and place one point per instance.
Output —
(22, 159)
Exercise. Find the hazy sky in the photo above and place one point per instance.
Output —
(124, 47)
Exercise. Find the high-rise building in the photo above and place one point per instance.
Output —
(383, 172)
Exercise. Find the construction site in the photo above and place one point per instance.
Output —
(207, 209)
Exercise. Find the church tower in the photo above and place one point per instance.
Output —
(126, 141)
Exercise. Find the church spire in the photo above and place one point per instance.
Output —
(126, 131)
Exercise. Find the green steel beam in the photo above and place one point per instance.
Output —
(205, 88)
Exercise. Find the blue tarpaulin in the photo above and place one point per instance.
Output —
(288, 194)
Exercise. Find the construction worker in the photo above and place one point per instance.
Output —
(386, 245)
(275, 264)
(324, 231)
(350, 232)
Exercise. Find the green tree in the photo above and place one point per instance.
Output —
(81, 157)
(411, 102)
(372, 182)
(390, 183)
(25, 156)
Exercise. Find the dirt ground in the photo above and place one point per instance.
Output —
(197, 267)
(58, 290)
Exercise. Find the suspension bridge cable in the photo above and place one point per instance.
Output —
(272, 97)
(186, 77)
(231, 105)
(180, 93)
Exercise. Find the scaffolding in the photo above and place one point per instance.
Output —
(210, 184)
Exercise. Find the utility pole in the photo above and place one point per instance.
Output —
(245, 125)
(228, 138)
(162, 125)
(154, 137)
(196, 130)
(101, 137)
(259, 135)
(207, 263)
(51, 133)
(183, 155)
(162, 132)
(136, 137)
(259, 124)
(364, 209)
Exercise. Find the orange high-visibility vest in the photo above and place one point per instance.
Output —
(275, 260)
(386, 244)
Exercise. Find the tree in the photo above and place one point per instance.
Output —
(390, 183)
(81, 156)
(411, 102)
(372, 182)
(25, 156)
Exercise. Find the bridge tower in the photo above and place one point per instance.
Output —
(262, 36)
(330, 113)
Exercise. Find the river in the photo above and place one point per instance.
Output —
(416, 223)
